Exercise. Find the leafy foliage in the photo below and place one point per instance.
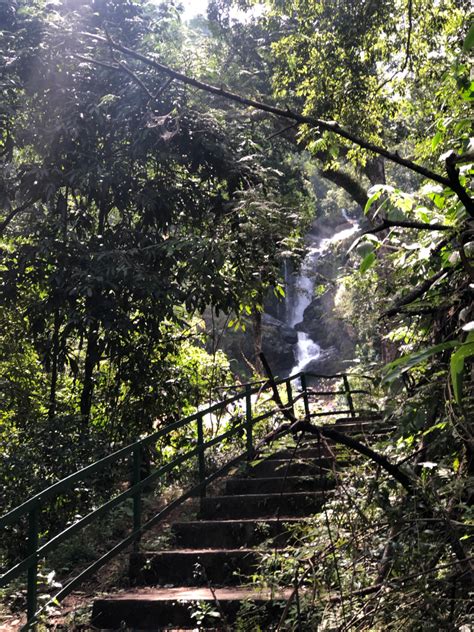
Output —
(131, 204)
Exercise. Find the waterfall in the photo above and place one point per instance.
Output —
(308, 349)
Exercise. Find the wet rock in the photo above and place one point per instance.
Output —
(278, 344)
(284, 331)
(322, 324)
(328, 363)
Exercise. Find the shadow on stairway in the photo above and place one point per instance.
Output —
(204, 576)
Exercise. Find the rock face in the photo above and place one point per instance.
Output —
(322, 323)
(278, 344)
(328, 363)
(284, 332)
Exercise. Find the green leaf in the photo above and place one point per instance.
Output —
(436, 140)
(469, 41)
(363, 239)
(364, 248)
(371, 201)
(465, 351)
(367, 262)
(399, 366)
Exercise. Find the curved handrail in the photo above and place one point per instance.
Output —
(134, 450)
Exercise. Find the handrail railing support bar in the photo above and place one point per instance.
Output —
(350, 401)
(249, 420)
(32, 587)
(289, 395)
(137, 497)
(304, 388)
(201, 457)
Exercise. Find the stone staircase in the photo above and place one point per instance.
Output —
(213, 553)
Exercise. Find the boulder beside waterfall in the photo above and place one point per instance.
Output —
(278, 344)
(279, 341)
(321, 323)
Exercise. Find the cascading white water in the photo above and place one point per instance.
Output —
(306, 348)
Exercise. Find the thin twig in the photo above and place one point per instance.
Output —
(282, 131)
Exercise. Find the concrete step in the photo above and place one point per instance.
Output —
(232, 533)
(306, 453)
(192, 567)
(271, 468)
(276, 485)
(169, 608)
(216, 549)
(369, 428)
(261, 505)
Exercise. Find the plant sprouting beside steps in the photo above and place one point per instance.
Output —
(213, 551)
(248, 413)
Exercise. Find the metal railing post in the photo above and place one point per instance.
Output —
(289, 395)
(137, 496)
(201, 459)
(350, 402)
(305, 396)
(248, 421)
(33, 538)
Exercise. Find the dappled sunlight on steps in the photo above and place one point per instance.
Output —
(213, 553)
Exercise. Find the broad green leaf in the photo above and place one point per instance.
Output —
(396, 214)
(399, 366)
(469, 41)
(367, 262)
(371, 201)
(457, 360)
(436, 140)
(363, 239)
(364, 248)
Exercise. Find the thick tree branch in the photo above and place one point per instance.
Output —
(416, 293)
(394, 471)
(387, 223)
(12, 214)
(338, 437)
(407, 482)
(467, 157)
(329, 126)
(348, 183)
(96, 62)
(453, 175)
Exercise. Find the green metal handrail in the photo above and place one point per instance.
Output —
(134, 451)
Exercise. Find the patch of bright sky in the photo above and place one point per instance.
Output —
(193, 8)
(199, 7)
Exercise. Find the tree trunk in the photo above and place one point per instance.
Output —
(257, 328)
(91, 361)
(54, 366)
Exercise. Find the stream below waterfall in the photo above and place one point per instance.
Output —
(307, 349)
